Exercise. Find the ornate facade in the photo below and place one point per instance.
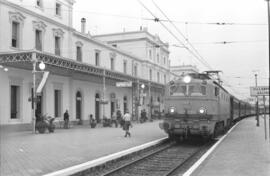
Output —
(83, 70)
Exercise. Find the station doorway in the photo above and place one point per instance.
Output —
(97, 107)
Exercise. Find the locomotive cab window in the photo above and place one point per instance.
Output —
(187, 90)
(203, 90)
(197, 90)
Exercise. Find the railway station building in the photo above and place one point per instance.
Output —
(86, 74)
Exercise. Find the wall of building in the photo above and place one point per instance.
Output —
(47, 9)
(27, 25)
(31, 18)
(68, 86)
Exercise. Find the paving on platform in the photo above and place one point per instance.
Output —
(244, 152)
(28, 154)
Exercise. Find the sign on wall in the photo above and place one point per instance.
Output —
(124, 84)
(259, 91)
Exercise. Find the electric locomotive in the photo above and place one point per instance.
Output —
(196, 104)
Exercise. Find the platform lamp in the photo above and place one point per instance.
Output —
(141, 87)
(41, 66)
(257, 104)
(268, 10)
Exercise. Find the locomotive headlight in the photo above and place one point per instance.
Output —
(187, 79)
(202, 110)
(172, 110)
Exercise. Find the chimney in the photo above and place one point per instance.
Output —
(83, 21)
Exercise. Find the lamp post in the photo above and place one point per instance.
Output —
(268, 10)
(150, 102)
(257, 104)
(103, 93)
(34, 98)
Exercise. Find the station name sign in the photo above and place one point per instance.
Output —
(124, 84)
(259, 91)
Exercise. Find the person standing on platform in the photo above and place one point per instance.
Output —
(66, 119)
(127, 123)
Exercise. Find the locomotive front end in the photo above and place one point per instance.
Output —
(185, 124)
(189, 108)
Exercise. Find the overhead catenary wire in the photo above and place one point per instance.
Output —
(228, 42)
(151, 19)
(179, 40)
(177, 29)
(184, 45)
(200, 59)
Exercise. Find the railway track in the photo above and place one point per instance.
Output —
(161, 162)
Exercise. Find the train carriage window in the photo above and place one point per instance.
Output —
(216, 91)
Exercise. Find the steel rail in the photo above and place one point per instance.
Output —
(186, 160)
(137, 160)
(170, 171)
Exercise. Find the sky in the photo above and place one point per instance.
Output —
(246, 33)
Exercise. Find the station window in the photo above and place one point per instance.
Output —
(135, 70)
(165, 81)
(150, 54)
(157, 58)
(158, 77)
(79, 53)
(112, 63)
(15, 35)
(57, 45)
(150, 75)
(125, 66)
(38, 40)
(39, 3)
(58, 9)
(97, 54)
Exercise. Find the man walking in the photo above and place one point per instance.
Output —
(127, 124)
(66, 119)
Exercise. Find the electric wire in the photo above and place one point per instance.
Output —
(152, 19)
(177, 29)
(184, 46)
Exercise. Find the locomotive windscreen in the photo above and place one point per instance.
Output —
(187, 90)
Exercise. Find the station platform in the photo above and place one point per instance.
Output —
(28, 154)
(243, 152)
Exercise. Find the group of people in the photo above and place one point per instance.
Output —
(125, 121)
